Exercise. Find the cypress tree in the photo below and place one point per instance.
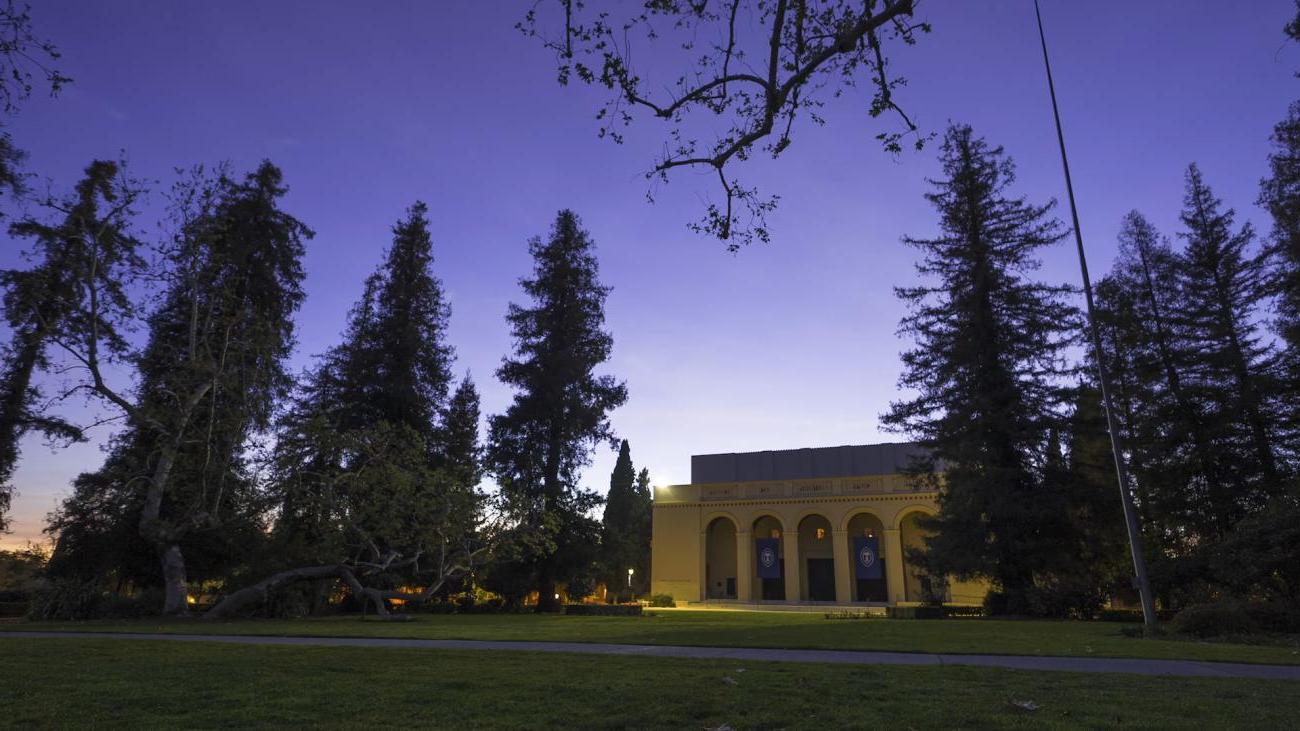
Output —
(561, 407)
(641, 530)
(617, 539)
(1222, 284)
(987, 368)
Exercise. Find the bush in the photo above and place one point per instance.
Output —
(925, 611)
(963, 611)
(604, 610)
(65, 599)
(1133, 615)
(13, 609)
(116, 606)
(662, 600)
(1238, 618)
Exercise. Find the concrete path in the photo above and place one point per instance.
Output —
(1183, 668)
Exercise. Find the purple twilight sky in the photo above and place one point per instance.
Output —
(368, 107)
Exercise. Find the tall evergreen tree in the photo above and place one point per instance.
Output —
(1280, 195)
(1222, 285)
(1171, 456)
(561, 407)
(462, 454)
(625, 539)
(392, 369)
(38, 302)
(987, 368)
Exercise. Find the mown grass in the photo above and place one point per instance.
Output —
(741, 629)
(64, 683)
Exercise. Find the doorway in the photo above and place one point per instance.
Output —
(821, 579)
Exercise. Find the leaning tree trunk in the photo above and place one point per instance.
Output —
(176, 593)
(261, 590)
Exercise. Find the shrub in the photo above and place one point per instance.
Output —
(1215, 620)
(604, 610)
(1133, 615)
(13, 609)
(963, 611)
(925, 611)
(65, 599)
(662, 600)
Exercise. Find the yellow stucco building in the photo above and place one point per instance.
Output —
(824, 525)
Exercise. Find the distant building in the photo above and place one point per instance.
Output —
(799, 525)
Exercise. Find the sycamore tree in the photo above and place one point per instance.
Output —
(384, 518)
(89, 244)
(560, 410)
(26, 59)
(988, 371)
(742, 74)
(210, 370)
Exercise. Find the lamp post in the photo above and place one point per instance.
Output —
(1112, 426)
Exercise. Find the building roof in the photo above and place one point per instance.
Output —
(794, 464)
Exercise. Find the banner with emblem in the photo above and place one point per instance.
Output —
(866, 558)
(767, 552)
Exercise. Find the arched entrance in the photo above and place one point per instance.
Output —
(869, 582)
(817, 552)
(720, 560)
(771, 587)
(912, 536)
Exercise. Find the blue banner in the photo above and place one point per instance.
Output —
(866, 558)
(767, 552)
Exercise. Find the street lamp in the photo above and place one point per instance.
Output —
(629, 578)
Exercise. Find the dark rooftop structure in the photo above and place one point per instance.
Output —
(795, 464)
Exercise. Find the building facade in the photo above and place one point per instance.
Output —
(824, 525)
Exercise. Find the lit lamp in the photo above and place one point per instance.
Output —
(629, 578)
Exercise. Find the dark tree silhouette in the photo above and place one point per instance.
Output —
(90, 242)
(1222, 285)
(625, 526)
(561, 407)
(988, 370)
(212, 367)
(752, 68)
(1280, 195)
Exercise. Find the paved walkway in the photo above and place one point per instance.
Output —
(1184, 668)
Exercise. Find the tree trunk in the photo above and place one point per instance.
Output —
(176, 598)
(259, 591)
(546, 601)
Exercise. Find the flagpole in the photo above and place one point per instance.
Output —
(1116, 446)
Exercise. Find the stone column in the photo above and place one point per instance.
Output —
(704, 565)
(895, 582)
(790, 542)
(843, 566)
(744, 565)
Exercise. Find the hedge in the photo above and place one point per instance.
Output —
(604, 610)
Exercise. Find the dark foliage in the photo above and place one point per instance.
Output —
(989, 371)
(560, 409)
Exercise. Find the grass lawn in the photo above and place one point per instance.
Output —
(741, 629)
(137, 684)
